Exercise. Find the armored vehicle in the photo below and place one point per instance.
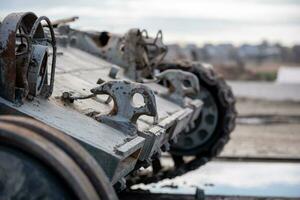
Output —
(145, 59)
(82, 114)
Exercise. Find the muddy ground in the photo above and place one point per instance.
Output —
(266, 129)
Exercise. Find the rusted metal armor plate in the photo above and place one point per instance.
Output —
(101, 140)
(117, 152)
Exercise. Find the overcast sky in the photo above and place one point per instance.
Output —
(236, 21)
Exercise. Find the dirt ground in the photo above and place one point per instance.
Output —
(258, 106)
(273, 139)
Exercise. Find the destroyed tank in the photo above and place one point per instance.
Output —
(144, 60)
(83, 113)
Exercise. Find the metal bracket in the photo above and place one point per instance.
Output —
(124, 115)
(143, 53)
(135, 55)
(180, 84)
(24, 55)
(156, 49)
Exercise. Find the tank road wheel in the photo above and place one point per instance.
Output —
(208, 135)
(212, 129)
(37, 161)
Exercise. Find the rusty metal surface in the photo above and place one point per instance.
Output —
(156, 49)
(87, 69)
(78, 71)
(118, 152)
(132, 139)
(8, 58)
(168, 112)
(22, 36)
(129, 41)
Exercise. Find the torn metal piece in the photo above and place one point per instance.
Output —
(142, 53)
(134, 51)
(180, 85)
(124, 115)
(156, 49)
(134, 54)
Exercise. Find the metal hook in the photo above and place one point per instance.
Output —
(124, 115)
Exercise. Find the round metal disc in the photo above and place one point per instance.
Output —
(51, 155)
(84, 160)
(24, 177)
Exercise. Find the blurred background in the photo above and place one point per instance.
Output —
(246, 40)
(254, 44)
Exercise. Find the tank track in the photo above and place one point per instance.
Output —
(226, 123)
